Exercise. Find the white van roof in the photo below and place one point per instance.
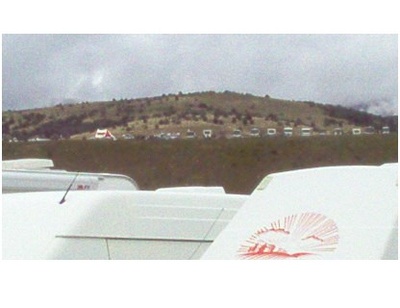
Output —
(28, 163)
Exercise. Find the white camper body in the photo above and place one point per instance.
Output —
(18, 181)
(255, 132)
(190, 134)
(271, 132)
(28, 163)
(322, 213)
(114, 225)
(194, 189)
(207, 133)
(306, 131)
(34, 174)
(237, 133)
(288, 131)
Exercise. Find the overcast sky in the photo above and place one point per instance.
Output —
(42, 70)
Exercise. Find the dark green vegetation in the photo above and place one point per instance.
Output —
(221, 112)
(237, 164)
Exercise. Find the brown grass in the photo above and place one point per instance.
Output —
(237, 164)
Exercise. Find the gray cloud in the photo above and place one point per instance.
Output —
(40, 70)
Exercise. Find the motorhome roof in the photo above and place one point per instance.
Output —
(41, 228)
(345, 212)
(52, 180)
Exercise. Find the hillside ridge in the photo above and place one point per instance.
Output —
(220, 111)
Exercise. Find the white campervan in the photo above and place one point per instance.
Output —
(288, 131)
(237, 133)
(255, 132)
(271, 132)
(207, 133)
(306, 131)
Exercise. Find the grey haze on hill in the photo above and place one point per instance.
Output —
(351, 70)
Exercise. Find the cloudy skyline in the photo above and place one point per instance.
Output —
(43, 70)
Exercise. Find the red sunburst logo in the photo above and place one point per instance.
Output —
(300, 236)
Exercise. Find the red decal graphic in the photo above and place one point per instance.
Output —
(83, 187)
(300, 236)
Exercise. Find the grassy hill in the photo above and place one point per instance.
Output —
(221, 112)
(237, 164)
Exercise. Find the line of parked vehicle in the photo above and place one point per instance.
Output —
(236, 133)
(270, 132)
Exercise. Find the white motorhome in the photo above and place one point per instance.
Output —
(255, 132)
(385, 130)
(312, 214)
(30, 175)
(38, 139)
(190, 134)
(207, 133)
(114, 224)
(28, 164)
(237, 133)
(288, 131)
(312, 221)
(370, 130)
(271, 132)
(306, 131)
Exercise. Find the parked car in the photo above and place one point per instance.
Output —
(190, 134)
(370, 130)
(128, 136)
(338, 131)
